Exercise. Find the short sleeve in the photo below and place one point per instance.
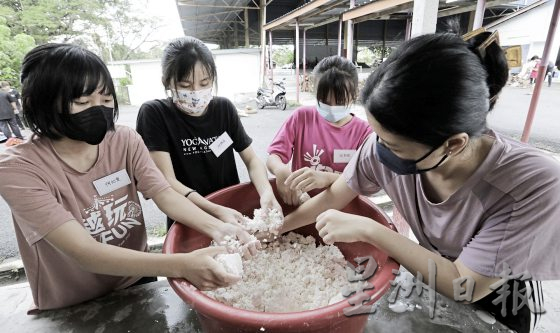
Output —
(11, 98)
(28, 193)
(241, 140)
(149, 179)
(360, 171)
(151, 126)
(283, 143)
(523, 234)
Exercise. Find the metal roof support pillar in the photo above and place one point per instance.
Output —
(270, 63)
(350, 36)
(340, 36)
(262, 14)
(246, 18)
(424, 17)
(235, 36)
(383, 53)
(479, 14)
(542, 69)
(408, 28)
(304, 56)
(297, 61)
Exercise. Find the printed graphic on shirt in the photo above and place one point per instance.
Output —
(111, 219)
(197, 145)
(315, 160)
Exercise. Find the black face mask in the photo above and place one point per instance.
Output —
(90, 125)
(402, 166)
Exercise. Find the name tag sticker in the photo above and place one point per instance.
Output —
(343, 155)
(112, 182)
(221, 144)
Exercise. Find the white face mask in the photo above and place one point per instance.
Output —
(333, 113)
(192, 101)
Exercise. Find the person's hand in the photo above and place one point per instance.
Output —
(268, 201)
(307, 179)
(228, 215)
(205, 273)
(336, 226)
(249, 245)
(289, 196)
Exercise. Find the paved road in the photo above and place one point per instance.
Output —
(508, 117)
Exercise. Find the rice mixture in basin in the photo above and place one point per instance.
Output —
(291, 274)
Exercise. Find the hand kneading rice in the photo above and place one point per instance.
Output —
(291, 274)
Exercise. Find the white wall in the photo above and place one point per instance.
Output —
(238, 72)
(146, 82)
(530, 29)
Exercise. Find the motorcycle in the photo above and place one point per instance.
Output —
(272, 97)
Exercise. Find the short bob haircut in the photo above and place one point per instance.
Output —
(179, 58)
(338, 76)
(52, 77)
(435, 86)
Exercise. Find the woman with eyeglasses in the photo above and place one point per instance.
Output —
(480, 204)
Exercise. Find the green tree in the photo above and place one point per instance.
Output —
(111, 28)
(47, 20)
(13, 48)
(282, 55)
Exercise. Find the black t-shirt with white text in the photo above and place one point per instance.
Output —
(187, 139)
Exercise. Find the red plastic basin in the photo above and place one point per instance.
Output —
(218, 317)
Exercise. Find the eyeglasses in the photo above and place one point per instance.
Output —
(493, 38)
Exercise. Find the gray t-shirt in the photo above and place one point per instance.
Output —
(508, 211)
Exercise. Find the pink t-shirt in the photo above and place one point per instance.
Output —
(44, 192)
(308, 140)
(506, 212)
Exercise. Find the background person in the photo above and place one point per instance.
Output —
(8, 107)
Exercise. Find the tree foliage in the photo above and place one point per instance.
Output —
(111, 28)
(13, 48)
(283, 55)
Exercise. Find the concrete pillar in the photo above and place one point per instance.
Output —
(246, 18)
(479, 14)
(424, 17)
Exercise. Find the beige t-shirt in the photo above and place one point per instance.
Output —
(44, 192)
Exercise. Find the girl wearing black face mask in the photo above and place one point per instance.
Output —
(73, 189)
(477, 202)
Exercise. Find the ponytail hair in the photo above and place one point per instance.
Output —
(436, 85)
(492, 57)
(336, 76)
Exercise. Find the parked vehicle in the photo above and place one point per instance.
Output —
(272, 97)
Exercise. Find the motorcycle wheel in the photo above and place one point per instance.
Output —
(260, 104)
(281, 102)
